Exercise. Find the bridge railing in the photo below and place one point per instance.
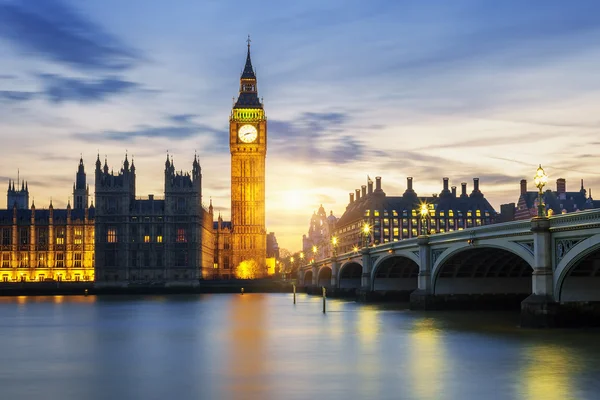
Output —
(580, 218)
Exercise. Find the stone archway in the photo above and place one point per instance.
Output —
(483, 271)
(307, 278)
(324, 277)
(580, 280)
(350, 275)
(395, 273)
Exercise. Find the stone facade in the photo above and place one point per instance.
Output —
(151, 240)
(39, 244)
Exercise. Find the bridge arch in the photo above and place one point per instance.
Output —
(577, 275)
(324, 276)
(307, 281)
(487, 268)
(349, 275)
(395, 272)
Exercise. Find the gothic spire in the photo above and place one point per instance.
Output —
(248, 70)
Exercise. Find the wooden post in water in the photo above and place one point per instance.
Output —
(294, 286)
(324, 298)
(242, 291)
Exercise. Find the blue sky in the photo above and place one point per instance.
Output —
(426, 89)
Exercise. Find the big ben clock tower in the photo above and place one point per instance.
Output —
(248, 145)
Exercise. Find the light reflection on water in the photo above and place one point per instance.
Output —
(260, 346)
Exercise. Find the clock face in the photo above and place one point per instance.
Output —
(247, 133)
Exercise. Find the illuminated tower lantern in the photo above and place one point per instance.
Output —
(248, 145)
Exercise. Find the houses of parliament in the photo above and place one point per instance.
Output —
(119, 239)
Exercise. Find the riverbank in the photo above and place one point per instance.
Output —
(82, 288)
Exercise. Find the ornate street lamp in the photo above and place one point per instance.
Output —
(367, 233)
(424, 211)
(540, 180)
(334, 242)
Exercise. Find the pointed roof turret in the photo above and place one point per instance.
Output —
(248, 97)
(248, 72)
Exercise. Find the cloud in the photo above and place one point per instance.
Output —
(15, 95)
(182, 118)
(178, 131)
(7, 76)
(54, 31)
(60, 89)
(317, 137)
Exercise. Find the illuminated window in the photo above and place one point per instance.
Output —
(469, 213)
(478, 213)
(414, 221)
(77, 260)
(478, 221)
(451, 221)
(367, 213)
(42, 260)
(396, 230)
(42, 236)
(451, 213)
(414, 213)
(78, 235)
(6, 260)
(442, 214)
(60, 260)
(394, 213)
(111, 235)
(23, 260)
(404, 232)
(414, 232)
(181, 236)
(159, 239)
(146, 238)
(60, 235)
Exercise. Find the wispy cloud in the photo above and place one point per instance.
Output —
(52, 30)
(15, 95)
(59, 89)
(179, 129)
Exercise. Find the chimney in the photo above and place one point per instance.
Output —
(363, 190)
(357, 194)
(370, 183)
(445, 184)
(463, 189)
(523, 187)
(377, 183)
(476, 185)
(409, 184)
(454, 191)
(561, 186)
(151, 197)
(351, 198)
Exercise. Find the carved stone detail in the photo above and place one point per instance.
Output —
(435, 254)
(563, 246)
(527, 246)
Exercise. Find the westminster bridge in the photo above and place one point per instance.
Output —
(551, 265)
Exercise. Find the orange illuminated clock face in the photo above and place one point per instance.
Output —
(247, 133)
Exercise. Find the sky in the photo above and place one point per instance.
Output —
(351, 89)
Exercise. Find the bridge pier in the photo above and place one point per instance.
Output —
(335, 267)
(541, 309)
(423, 298)
(315, 275)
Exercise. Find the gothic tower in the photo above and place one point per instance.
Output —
(248, 145)
(81, 190)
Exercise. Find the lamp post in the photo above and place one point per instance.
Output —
(540, 180)
(334, 242)
(367, 233)
(424, 212)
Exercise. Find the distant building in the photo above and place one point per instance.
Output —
(223, 267)
(394, 218)
(556, 202)
(47, 244)
(272, 246)
(320, 233)
(168, 240)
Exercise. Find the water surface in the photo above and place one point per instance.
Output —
(261, 346)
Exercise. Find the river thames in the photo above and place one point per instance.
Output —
(261, 346)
